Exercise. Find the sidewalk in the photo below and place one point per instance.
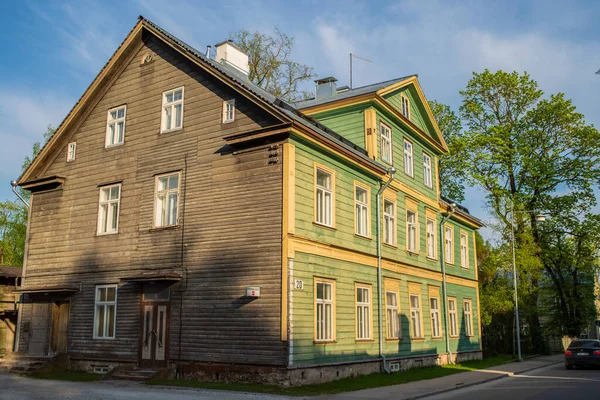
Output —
(419, 389)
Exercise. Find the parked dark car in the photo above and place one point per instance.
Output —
(580, 353)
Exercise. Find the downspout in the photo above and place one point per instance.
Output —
(14, 189)
(391, 171)
(445, 305)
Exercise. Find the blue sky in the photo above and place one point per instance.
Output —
(52, 50)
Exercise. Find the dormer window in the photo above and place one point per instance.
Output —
(405, 106)
(229, 111)
(172, 110)
(115, 126)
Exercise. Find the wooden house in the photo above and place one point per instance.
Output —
(183, 217)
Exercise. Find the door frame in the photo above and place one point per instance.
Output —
(152, 362)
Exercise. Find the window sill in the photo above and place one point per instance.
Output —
(454, 337)
(362, 237)
(364, 340)
(171, 130)
(412, 253)
(104, 338)
(391, 246)
(228, 121)
(437, 338)
(449, 264)
(465, 268)
(163, 228)
(324, 342)
(417, 339)
(112, 146)
(432, 259)
(106, 234)
(320, 225)
(393, 340)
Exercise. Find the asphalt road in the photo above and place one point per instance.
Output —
(549, 383)
(21, 388)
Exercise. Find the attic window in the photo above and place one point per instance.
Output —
(405, 106)
(147, 58)
(228, 111)
(71, 151)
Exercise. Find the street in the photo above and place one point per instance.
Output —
(553, 382)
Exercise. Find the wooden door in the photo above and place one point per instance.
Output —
(60, 323)
(38, 334)
(154, 338)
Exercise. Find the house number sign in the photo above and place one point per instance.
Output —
(299, 284)
(253, 291)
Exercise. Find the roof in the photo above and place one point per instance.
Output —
(10, 272)
(351, 92)
(66, 290)
(462, 210)
(153, 277)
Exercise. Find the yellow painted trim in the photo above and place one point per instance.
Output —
(368, 189)
(333, 311)
(334, 105)
(451, 261)
(414, 289)
(471, 324)
(430, 217)
(333, 208)
(434, 292)
(379, 140)
(448, 298)
(461, 218)
(413, 206)
(437, 176)
(466, 236)
(392, 285)
(390, 196)
(478, 318)
(415, 81)
(308, 246)
(370, 116)
(370, 287)
(289, 218)
(475, 258)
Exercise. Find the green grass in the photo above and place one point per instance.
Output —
(75, 376)
(347, 384)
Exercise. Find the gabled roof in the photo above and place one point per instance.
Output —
(235, 78)
(351, 92)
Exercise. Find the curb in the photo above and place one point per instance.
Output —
(495, 378)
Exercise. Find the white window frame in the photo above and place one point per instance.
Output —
(171, 105)
(427, 175)
(468, 316)
(412, 232)
(115, 122)
(430, 238)
(101, 228)
(408, 158)
(405, 102)
(363, 314)
(436, 331)
(324, 199)
(392, 316)
(453, 318)
(448, 244)
(464, 250)
(71, 149)
(228, 111)
(389, 223)
(415, 316)
(165, 192)
(324, 332)
(387, 151)
(361, 212)
(104, 305)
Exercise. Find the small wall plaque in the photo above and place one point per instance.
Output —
(299, 284)
(252, 291)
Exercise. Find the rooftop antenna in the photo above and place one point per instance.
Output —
(360, 58)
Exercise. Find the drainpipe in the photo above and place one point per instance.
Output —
(391, 171)
(443, 253)
(14, 189)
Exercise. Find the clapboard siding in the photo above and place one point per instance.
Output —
(229, 232)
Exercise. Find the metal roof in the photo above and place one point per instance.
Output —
(350, 93)
(10, 272)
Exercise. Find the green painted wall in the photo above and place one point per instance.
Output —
(418, 115)
(348, 122)
(309, 267)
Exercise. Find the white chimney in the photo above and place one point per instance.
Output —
(231, 55)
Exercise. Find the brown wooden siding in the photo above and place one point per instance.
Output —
(232, 219)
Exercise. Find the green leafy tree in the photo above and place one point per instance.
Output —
(530, 152)
(271, 66)
(451, 164)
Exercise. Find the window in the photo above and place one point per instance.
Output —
(411, 231)
(449, 245)
(393, 321)
(430, 238)
(229, 111)
(71, 151)
(452, 317)
(166, 200)
(324, 323)
(324, 197)
(427, 180)
(408, 157)
(386, 143)
(405, 106)
(363, 313)
(105, 312)
(464, 251)
(415, 316)
(362, 211)
(115, 126)
(389, 222)
(435, 317)
(172, 106)
(468, 318)
(108, 209)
